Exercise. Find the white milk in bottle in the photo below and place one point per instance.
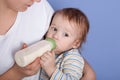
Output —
(29, 54)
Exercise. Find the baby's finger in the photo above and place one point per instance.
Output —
(47, 55)
(53, 53)
(43, 58)
(42, 63)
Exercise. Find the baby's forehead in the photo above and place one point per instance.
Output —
(73, 24)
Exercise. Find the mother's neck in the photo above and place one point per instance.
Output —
(5, 10)
(7, 17)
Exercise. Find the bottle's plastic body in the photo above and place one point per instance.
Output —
(29, 54)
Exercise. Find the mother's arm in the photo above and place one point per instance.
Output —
(11, 74)
(17, 73)
(88, 72)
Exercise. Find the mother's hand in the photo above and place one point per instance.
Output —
(88, 72)
(29, 70)
(17, 73)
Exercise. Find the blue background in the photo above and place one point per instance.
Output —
(102, 49)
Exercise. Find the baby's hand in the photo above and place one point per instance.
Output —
(48, 62)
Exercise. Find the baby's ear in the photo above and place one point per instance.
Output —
(76, 44)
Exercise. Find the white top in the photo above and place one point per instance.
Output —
(29, 27)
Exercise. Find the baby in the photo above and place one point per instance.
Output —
(69, 28)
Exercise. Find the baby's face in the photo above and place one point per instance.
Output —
(64, 33)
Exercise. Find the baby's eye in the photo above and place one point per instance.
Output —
(54, 29)
(66, 35)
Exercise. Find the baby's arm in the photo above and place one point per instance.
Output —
(48, 63)
(71, 69)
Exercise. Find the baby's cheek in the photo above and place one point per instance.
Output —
(62, 47)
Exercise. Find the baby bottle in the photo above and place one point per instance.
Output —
(29, 54)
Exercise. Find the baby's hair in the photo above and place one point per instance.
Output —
(79, 19)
